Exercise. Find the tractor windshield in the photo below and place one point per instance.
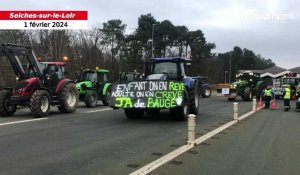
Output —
(89, 76)
(102, 77)
(288, 81)
(169, 68)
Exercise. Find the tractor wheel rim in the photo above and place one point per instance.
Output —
(207, 92)
(45, 104)
(71, 100)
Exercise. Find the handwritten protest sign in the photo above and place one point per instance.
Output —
(148, 94)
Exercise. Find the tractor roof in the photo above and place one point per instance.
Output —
(173, 59)
(102, 70)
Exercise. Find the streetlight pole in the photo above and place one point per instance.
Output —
(152, 48)
(229, 68)
(225, 75)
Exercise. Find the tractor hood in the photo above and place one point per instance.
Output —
(82, 86)
(238, 83)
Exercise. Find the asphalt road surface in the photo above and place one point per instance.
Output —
(102, 141)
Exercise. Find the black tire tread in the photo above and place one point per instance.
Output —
(88, 96)
(4, 94)
(35, 103)
(63, 104)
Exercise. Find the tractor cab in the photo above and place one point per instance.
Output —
(94, 85)
(167, 68)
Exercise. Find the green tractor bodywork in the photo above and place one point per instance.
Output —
(94, 86)
(248, 85)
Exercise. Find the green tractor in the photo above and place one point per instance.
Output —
(248, 84)
(94, 86)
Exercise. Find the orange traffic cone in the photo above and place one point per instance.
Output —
(273, 104)
(260, 103)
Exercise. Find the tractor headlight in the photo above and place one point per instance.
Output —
(179, 101)
(233, 86)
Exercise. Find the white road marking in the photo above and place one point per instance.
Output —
(161, 161)
(23, 121)
(107, 109)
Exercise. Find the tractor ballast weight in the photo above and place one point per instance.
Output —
(40, 84)
(166, 86)
(94, 86)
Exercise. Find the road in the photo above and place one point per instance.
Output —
(103, 141)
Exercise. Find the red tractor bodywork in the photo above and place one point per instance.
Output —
(39, 84)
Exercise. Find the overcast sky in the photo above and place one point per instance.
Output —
(268, 27)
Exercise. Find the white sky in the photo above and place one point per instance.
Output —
(268, 27)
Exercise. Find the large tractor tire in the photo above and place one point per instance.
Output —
(68, 98)
(193, 95)
(40, 103)
(91, 98)
(206, 92)
(180, 113)
(133, 113)
(6, 109)
(106, 98)
(247, 95)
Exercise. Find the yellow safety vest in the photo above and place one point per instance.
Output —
(287, 94)
(268, 93)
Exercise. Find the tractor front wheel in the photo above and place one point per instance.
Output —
(91, 98)
(6, 109)
(68, 98)
(106, 99)
(40, 103)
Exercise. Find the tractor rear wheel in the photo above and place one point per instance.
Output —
(106, 98)
(180, 113)
(6, 109)
(91, 98)
(68, 98)
(40, 103)
(206, 92)
(193, 95)
(132, 113)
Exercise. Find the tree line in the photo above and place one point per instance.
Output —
(109, 46)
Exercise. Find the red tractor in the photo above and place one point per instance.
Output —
(40, 84)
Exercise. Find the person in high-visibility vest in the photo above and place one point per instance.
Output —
(287, 97)
(268, 94)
